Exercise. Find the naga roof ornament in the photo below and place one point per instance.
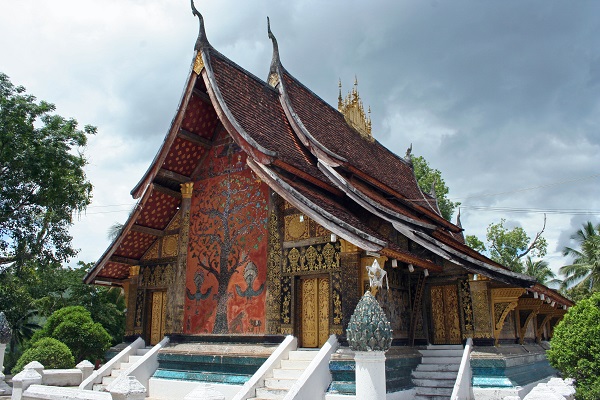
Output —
(202, 40)
(354, 113)
(273, 78)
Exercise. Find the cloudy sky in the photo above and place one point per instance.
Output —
(503, 97)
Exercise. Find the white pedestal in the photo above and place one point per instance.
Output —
(370, 375)
(2, 350)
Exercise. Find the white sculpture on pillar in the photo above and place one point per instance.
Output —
(5, 334)
(376, 277)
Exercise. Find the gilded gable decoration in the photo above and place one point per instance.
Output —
(354, 113)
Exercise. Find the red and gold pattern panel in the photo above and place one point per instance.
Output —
(183, 157)
(135, 245)
(200, 118)
(114, 270)
(158, 211)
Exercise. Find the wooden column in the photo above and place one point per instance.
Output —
(131, 296)
(504, 301)
(176, 293)
(527, 310)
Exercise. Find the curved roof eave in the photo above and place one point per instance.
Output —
(364, 201)
(322, 217)
(162, 153)
(89, 277)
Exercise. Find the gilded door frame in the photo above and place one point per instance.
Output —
(299, 308)
(149, 315)
(445, 311)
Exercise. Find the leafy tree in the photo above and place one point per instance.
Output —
(575, 347)
(584, 272)
(74, 327)
(426, 178)
(508, 247)
(51, 353)
(42, 182)
(540, 271)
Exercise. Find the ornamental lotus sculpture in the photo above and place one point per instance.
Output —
(369, 328)
(5, 331)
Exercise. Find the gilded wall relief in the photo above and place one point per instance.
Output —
(307, 259)
(274, 295)
(466, 309)
(157, 276)
(228, 244)
(482, 316)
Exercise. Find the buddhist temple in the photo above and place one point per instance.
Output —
(257, 220)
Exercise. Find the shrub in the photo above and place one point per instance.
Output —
(575, 347)
(50, 352)
(75, 328)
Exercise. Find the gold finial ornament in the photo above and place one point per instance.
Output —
(187, 189)
(134, 270)
(354, 112)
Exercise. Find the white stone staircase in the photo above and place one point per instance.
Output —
(115, 372)
(434, 378)
(284, 377)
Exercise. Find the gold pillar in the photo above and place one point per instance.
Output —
(176, 293)
(130, 299)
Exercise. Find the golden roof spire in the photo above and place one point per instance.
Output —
(354, 113)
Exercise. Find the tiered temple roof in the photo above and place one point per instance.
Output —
(308, 153)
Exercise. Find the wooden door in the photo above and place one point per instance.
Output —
(314, 317)
(157, 323)
(444, 309)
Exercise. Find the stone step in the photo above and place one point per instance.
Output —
(437, 367)
(125, 365)
(445, 347)
(425, 397)
(106, 380)
(433, 391)
(302, 355)
(441, 360)
(434, 383)
(133, 359)
(98, 387)
(116, 372)
(441, 353)
(142, 351)
(273, 383)
(434, 375)
(279, 373)
(266, 393)
(295, 364)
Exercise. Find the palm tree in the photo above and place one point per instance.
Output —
(540, 271)
(584, 272)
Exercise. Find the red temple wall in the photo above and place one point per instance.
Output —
(227, 251)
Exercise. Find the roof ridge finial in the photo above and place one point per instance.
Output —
(202, 40)
(458, 223)
(408, 156)
(340, 100)
(432, 193)
(275, 61)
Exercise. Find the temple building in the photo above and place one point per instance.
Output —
(258, 217)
